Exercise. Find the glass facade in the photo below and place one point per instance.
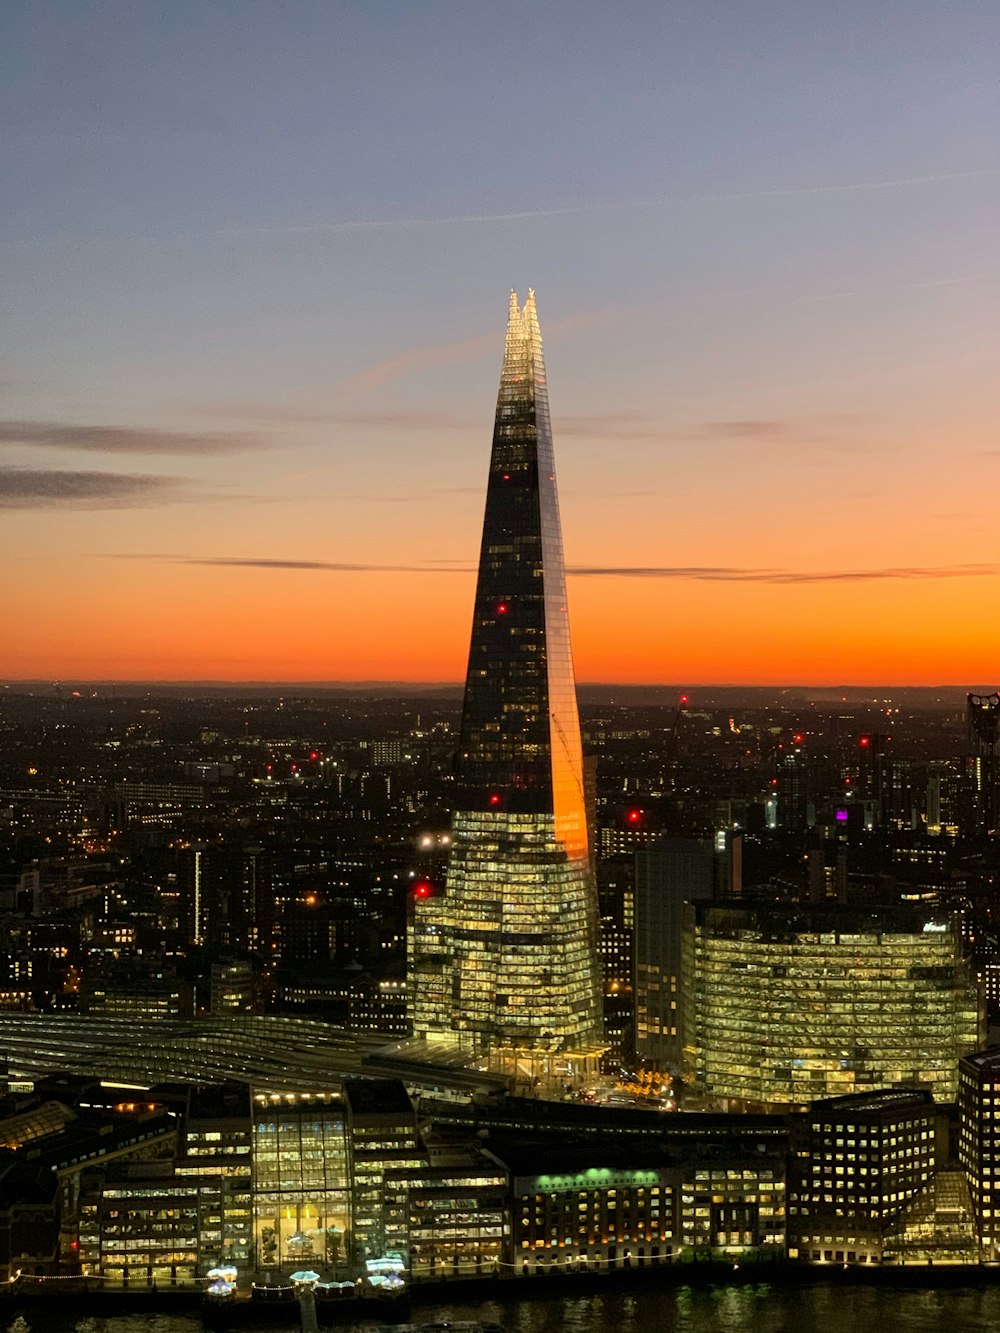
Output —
(301, 1182)
(790, 1005)
(506, 956)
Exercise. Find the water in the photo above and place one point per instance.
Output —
(747, 1309)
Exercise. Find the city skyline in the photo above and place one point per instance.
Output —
(252, 266)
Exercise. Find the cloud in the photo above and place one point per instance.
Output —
(698, 573)
(123, 439)
(267, 562)
(746, 430)
(30, 488)
(404, 420)
(726, 574)
(625, 425)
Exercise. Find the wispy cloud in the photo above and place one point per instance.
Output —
(698, 573)
(31, 488)
(726, 574)
(627, 424)
(746, 430)
(124, 439)
(403, 420)
(346, 227)
(268, 562)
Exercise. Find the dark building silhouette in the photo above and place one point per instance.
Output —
(227, 897)
(982, 714)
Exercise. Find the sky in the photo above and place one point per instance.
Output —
(256, 260)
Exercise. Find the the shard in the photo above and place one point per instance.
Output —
(503, 956)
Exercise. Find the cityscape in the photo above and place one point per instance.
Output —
(432, 896)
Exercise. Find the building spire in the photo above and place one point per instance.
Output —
(515, 357)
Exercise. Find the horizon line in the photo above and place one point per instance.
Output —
(49, 682)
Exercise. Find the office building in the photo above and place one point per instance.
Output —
(301, 1183)
(668, 875)
(858, 1162)
(979, 1142)
(794, 1003)
(503, 958)
(982, 714)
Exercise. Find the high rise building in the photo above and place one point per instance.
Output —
(669, 874)
(979, 1141)
(791, 1004)
(982, 715)
(503, 958)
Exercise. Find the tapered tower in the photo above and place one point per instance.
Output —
(504, 959)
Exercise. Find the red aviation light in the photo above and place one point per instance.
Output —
(634, 816)
(314, 755)
(423, 890)
(502, 609)
(684, 698)
(797, 738)
(865, 740)
(494, 798)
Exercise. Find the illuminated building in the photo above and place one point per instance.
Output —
(734, 1205)
(144, 998)
(447, 1218)
(859, 1161)
(139, 1224)
(382, 1135)
(667, 875)
(979, 1142)
(216, 1153)
(233, 988)
(793, 1003)
(503, 956)
(563, 1209)
(301, 1184)
(616, 896)
(626, 1206)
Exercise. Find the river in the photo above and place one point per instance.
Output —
(758, 1308)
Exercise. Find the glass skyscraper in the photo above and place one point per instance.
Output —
(503, 961)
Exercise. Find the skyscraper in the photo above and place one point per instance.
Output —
(982, 713)
(503, 961)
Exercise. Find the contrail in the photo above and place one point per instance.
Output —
(462, 219)
(900, 287)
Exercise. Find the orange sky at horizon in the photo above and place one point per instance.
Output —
(249, 624)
